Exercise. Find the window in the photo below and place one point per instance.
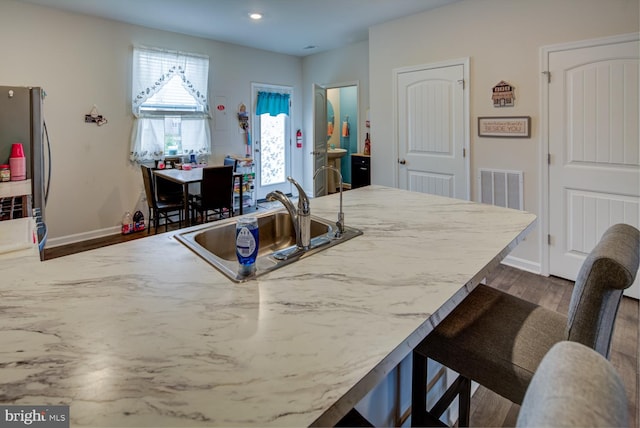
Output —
(272, 149)
(273, 130)
(169, 102)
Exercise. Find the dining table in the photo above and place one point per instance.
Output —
(185, 177)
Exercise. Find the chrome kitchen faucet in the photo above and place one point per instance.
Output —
(340, 222)
(301, 217)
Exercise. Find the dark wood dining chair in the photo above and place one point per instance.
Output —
(216, 193)
(498, 340)
(168, 191)
(158, 207)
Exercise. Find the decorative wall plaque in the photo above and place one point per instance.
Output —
(509, 127)
(503, 95)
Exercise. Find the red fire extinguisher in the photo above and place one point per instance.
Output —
(299, 139)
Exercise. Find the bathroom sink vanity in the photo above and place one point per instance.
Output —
(146, 333)
(334, 155)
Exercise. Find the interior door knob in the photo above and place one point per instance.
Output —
(402, 161)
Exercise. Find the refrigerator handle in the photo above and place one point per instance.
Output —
(48, 185)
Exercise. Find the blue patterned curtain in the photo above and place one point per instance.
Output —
(272, 103)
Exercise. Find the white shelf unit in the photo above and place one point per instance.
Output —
(247, 168)
(15, 199)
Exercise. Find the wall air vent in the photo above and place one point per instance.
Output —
(501, 188)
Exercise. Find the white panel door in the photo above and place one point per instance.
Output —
(431, 131)
(319, 138)
(271, 145)
(594, 170)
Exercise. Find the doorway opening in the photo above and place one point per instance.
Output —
(336, 132)
(342, 127)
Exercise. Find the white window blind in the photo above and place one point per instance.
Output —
(169, 87)
(173, 97)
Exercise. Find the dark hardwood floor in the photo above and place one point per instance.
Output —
(65, 250)
(487, 408)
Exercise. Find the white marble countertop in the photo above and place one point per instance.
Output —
(146, 333)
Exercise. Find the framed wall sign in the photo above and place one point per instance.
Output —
(505, 126)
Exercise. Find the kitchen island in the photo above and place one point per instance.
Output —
(146, 333)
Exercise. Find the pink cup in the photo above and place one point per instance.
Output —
(18, 168)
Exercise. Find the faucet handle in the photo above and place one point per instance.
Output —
(303, 200)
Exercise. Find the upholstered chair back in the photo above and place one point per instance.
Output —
(574, 386)
(609, 269)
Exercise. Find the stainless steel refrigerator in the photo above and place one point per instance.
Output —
(21, 121)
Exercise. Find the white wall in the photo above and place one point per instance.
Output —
(82, 61)
(503, 39)
(346, 65)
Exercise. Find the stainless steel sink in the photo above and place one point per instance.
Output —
(277, 243)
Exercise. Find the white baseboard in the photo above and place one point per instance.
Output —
(523, 264)
(80, 237)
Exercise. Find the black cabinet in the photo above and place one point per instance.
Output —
(360, 171)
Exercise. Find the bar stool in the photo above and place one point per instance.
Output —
(498, 340)
(574, 386)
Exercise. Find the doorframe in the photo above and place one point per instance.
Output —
(255, 87)
(544, 205)
(464, 62)
(317, 128)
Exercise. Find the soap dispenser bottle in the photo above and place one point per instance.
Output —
(367, 145)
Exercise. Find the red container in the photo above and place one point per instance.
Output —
(18, 163)
(17, 151)
(5, 173)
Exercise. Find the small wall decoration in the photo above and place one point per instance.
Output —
(95, 117)
(503, 95)
(243, 117)
(507, 126)
(243, 122)
(220, 113)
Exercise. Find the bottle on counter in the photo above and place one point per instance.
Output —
(367, 145)
(5, 173)
(127, 223)
(247, 243)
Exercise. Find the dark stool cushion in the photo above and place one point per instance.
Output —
(496, 339)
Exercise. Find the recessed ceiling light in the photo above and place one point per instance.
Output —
(255, 16)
